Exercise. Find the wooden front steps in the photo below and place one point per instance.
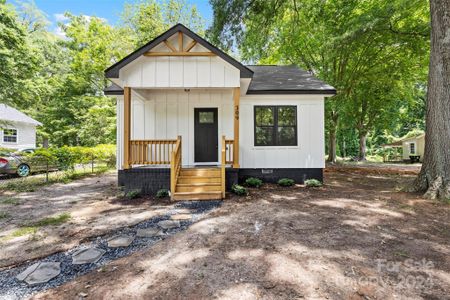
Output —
(198, 184)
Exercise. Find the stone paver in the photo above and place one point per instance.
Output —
(40, 272)
(181, 217)
(169, 224)
(149, 232)
(87, 256)
(121, 240)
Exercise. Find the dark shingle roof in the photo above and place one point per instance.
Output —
(113, 89)
(272, 80)
(286, 80)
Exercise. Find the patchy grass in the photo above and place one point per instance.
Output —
(24, 231)
(3, 215)
(31, 183)
(10, 201)
(52, 221)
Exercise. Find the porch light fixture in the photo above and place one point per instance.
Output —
(187, 90)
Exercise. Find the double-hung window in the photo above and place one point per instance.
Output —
(10, 135)
(275, 125)
(412, 148)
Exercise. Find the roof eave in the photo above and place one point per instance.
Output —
(292, 92)
(113, 71)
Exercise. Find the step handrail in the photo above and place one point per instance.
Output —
(223, 163)
(175, 166)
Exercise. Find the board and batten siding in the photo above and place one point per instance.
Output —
(165, 114)
(310, 149)
(26, 135)
(180, 72)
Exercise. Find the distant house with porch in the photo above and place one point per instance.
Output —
(18, 131)
(192, 119)
(412, 148)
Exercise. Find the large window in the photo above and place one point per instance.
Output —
(275, 126)
(10, 135)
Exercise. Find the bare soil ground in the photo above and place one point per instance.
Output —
(92, 204)
(358, 237)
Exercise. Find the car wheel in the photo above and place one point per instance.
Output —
(23, 170)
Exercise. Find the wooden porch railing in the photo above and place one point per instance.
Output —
(175, 166)
(223, 163)
(229, 149)
(151, 152)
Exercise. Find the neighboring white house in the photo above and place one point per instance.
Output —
(18, 131)
(183, 103)
(412, 148)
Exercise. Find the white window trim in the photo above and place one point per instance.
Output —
(415, 148)
(3, 136)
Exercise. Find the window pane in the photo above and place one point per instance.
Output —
(264, 116)
(286, 136)
(10, 135)
(264, 136)
(206, 117)
(286, 116)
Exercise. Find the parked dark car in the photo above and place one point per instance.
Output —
(23, 163)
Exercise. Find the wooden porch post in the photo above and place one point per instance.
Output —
(236, 100)
(126, 126)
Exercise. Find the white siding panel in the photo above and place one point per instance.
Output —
(162, 71)
(119, 122)
(309, 153)
(217, 72)
(160, 118)
(176, 71)
(203, 71)
(190, 72)
(183, 125)
(148, 71)
(172, 115)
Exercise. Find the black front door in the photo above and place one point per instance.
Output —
(205, 134)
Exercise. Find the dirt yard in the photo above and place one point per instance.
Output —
(358, 237)
(58, 217)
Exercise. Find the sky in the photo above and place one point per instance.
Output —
(107, 9)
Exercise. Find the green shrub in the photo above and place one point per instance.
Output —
(162, 193)
(132, 194)
(286, 182)
(239, 190)
(313, 183)
(253, 182)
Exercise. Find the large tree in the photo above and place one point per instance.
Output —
(434, 177)
(346, 43)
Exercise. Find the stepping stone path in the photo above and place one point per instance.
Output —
(181, 217)
(169, 224)
(87, 256)
(40, 272)
(121, 240)
(149, 232)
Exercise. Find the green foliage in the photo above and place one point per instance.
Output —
(133, 194)
(239, 190)
(313, 183)
(162, 193)
(52, 221)
(253, 182)
(4, 215)
(286, 182)
(375, 53)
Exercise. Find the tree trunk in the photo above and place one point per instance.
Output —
(362, 146)
(332, 146)
(434, 177)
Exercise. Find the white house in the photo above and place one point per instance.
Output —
(195, 120)
(412, 147)
(18, 131)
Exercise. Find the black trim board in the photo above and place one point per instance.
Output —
(113, 71)
(291, 92)
(272, 175)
